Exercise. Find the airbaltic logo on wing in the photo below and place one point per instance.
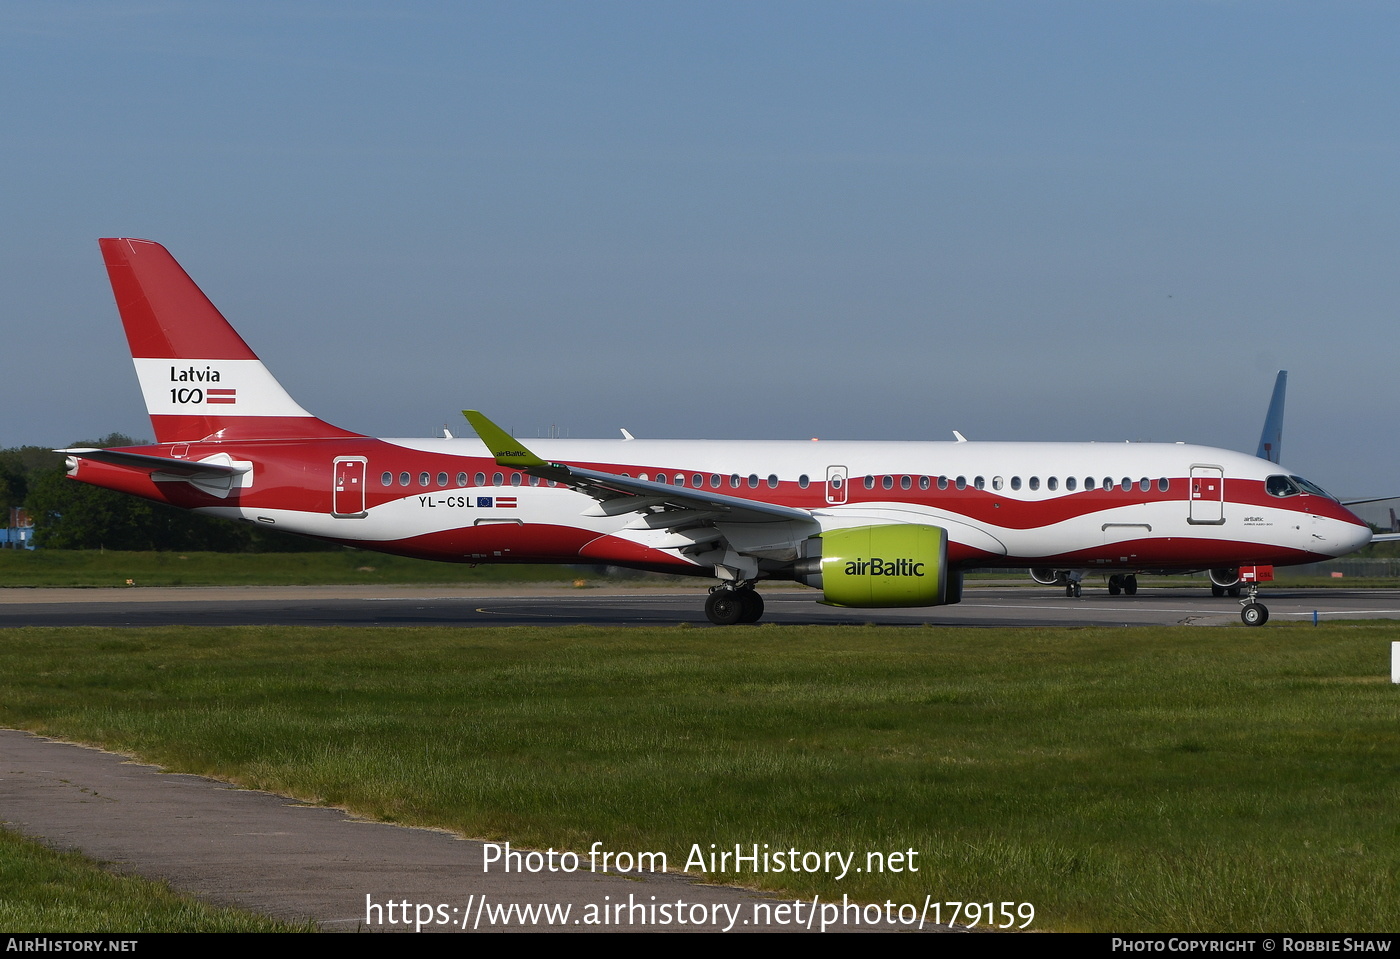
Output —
(876, 566)
(193, 395)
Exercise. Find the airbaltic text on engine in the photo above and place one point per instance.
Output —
(884, 567)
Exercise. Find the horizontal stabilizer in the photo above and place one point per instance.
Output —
(186, 469)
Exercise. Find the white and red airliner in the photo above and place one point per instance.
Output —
(870, 524)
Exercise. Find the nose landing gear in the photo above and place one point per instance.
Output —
(1253, 613)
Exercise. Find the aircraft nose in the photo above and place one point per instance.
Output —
(1349, 537)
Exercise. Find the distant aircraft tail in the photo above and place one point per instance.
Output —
(199, 379)
(1271, 439)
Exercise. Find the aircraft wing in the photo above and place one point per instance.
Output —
(1363, 502)
(679, 505)
(185, 469)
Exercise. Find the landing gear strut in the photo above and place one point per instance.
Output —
(1252, 612)
(729, 605)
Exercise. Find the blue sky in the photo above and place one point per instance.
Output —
(1049, 221)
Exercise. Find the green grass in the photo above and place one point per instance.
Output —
(46, 891)
(1119, 779)
(342, 567)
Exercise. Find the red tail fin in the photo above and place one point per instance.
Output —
(200, 380)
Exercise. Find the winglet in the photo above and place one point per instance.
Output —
(508, 450)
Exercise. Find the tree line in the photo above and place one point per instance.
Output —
(71, 515)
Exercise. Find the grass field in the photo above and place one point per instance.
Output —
(1119, 779)
(46, 891)
(338, 568)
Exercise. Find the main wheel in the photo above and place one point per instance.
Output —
(1217, 591)
(724, 607)
(1254, 614)
(753, 605)
(1115, 584)
(1232, 591)
(1130, 585)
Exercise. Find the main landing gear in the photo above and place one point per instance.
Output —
(1253, 612)
(1122, 583)
(728, 605)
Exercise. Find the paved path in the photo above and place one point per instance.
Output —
(275, 856)
(514, 605)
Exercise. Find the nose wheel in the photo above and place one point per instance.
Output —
(1253, 613)
(731, 605)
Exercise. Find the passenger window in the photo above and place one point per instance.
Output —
(714, 481)
(1163, 484)
(753, 481)
(497, 479)
(804, 481)
(461, 479)
(996, 482)
(405, 479)
(387, 479)
(698, 481)
(423, 479)
(870, 482)
(979, 483)
(1015, 482)
(660, 477)
(1053, 483)
(1144, 484)
(905, 482)
(1035, 482)
(1088, 482)
(961, 482)
(772, 481)
(442, 479)
(480, 479)
(1071, 483)
(942, 482)
(515, 479)
(1127, 483)
(923, 482)
(887, 482)
(735, 481)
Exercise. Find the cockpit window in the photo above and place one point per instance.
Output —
(1293, 486)
(1312, 488)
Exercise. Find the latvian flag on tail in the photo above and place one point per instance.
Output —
(222, 396)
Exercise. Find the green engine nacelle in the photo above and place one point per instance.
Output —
(881, 566)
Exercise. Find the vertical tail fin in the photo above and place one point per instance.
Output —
(199, 379)
(1271, 439)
